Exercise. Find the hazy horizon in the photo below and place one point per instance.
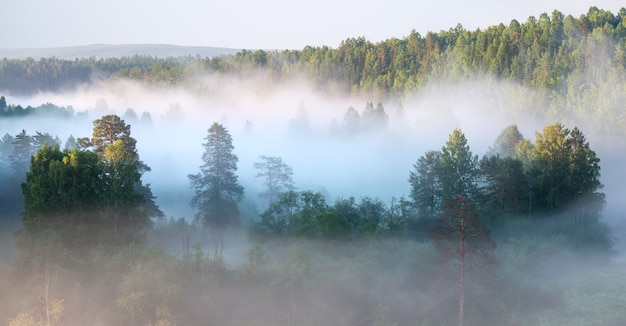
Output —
(277, 24)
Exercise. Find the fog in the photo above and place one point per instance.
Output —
(303, 126)
(291, 121)
(299, 124)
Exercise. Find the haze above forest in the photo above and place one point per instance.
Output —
(100, 51)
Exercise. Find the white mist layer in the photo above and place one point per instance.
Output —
(266, 120)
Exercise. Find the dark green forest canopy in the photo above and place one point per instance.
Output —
(546, 52)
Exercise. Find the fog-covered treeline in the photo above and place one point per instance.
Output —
(547, 51)
(575, 59)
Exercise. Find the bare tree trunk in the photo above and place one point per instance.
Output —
(462, 283)
(46, 294)
(530, 204)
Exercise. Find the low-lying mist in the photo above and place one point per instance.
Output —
(307, 129)
(350, 283)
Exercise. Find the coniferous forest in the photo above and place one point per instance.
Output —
(458, 177)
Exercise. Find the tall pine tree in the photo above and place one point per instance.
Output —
(217, 189)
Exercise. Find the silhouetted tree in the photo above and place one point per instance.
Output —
(506, 143)
(458, 169)
(276, 176)
(70, 143)
(351, 123)
(374, 118)
(23, 149)
(216, 186)
(39, 139)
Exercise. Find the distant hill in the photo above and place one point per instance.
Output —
(115, 51)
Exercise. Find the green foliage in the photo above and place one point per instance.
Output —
(47, 110)
(216, 186)
(458, 169)
(559, 175)
(307, 214)
(425, 184)
(440, 176)
(85, 210)
(23, 149)
(504, 190)
(565, 171)
(88, 198)
(550, 52)
(149, 291)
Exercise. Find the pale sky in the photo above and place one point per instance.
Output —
(266, 24)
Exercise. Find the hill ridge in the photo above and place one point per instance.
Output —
(115, 50)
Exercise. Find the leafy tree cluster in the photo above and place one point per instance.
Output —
(53, 111)
(557, 175)
(44, 110)
(15, 153)
(306, 213)
(371, 119)
(27, 76)
(87, 197)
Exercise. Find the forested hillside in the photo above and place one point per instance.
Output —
(550, 51)
(579, 61)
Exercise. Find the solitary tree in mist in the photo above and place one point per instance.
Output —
(146, 119)
(23, 149)
(300, 125)
(439, 176)
(130, 116)
(106, 131)
(39, 139)
(463, 243)
(506, 143)
(276, 176)
(70, 143)
(351, 123)
(217, 189)
(374, 118)
(458, 169)
(6, 148)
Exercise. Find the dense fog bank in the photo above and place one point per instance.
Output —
(308, 130)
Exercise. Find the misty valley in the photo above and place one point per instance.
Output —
(462, 177)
